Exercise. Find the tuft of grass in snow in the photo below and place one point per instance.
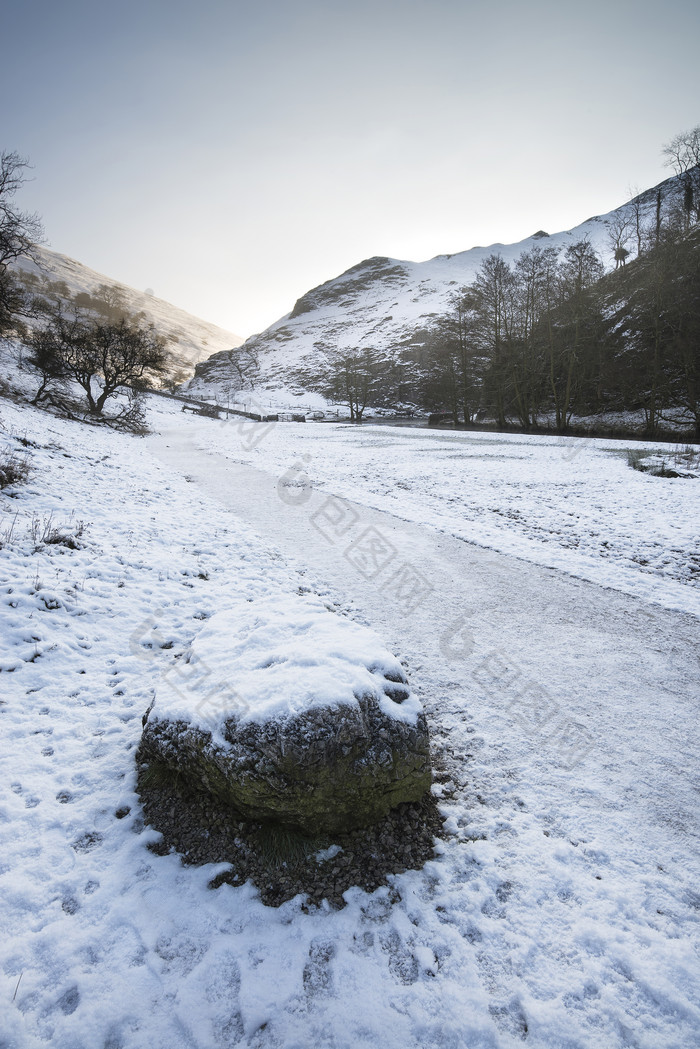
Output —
(688, 455)
(14, 468)
(635, 457)
(159, 776)
(684, 461)
(43, 531)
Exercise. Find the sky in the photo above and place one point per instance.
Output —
(231, 155)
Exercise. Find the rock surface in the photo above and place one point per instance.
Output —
(324, 763)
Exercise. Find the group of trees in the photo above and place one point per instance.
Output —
(518, 339)
(515, 337)
(652, 338)
(683, 155)
(355, 381)
(88, 340)
(553, 335)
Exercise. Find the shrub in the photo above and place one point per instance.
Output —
(43, 531)
(683, 462)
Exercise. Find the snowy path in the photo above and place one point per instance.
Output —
(568, 714)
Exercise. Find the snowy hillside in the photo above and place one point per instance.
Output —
(192, 339)
(387, 305)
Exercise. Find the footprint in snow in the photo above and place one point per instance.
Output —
(69, 1001)
(87, 841)
(318, 978)
(362, 943)
(403, 965)
(510, 1018)
(230, 1031)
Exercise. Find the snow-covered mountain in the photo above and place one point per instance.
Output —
(387, 305)
(191, 338)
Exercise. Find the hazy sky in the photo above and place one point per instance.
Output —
(231, 155)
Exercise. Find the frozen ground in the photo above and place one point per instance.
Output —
(561, 908)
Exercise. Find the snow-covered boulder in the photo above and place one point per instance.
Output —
(290, 713)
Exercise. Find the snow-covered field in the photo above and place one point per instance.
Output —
(561, 908)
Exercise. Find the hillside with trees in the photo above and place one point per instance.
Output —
(602, 319)
(552, 337)
(532, 343)
(35, 282)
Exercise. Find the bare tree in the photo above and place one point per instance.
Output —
(47, 358)
(683, 155)
(683, 151)
(454, 373)
(20, 232)
(578, 272)
(100, 357)
(494, 301)
(620, 228)
(244, 366)
(355, 377)
(638, 216)
(537, 284)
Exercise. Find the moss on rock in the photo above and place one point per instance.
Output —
(326, 770)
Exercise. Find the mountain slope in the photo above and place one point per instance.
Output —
(192, 339)
(388, 305)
